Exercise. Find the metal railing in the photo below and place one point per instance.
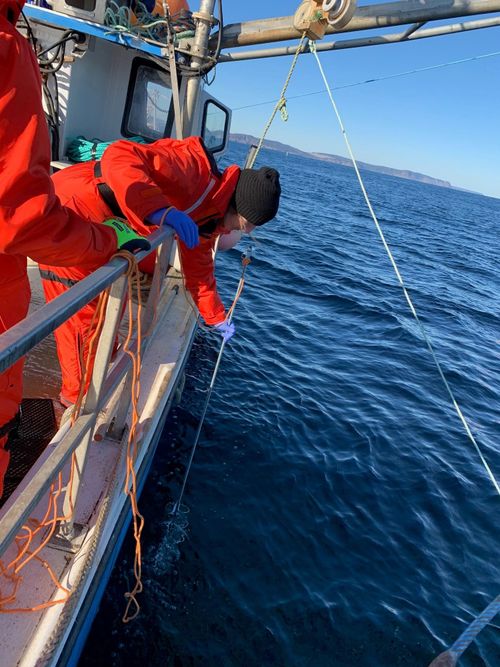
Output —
(25, 335)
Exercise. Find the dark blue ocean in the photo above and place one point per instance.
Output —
(338, 513)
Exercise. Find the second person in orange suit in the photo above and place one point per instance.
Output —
(169, 182)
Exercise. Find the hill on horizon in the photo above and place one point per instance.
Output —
(248, 139)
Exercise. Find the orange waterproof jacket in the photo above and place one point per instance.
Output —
(146, 178)
(32, 221)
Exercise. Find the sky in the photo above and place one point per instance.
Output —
(443, 122)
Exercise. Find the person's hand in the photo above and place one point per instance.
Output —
(186, 229)
(225, 329)
(126, 238)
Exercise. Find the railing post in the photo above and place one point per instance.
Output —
(161, 267)
(92, 401)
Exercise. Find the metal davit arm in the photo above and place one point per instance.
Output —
(20, 339)
(369, 17)
(410, 35)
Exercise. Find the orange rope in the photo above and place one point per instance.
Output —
(130, 481)
(12, 571)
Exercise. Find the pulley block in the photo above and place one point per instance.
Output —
(314, 16)
(339, 12)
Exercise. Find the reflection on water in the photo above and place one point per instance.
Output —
(338, 516)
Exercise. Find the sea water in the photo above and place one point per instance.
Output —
(337, 514)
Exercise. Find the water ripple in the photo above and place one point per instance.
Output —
(338, 513)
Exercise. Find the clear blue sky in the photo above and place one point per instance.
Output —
(444, 122)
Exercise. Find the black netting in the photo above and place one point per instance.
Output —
(26, 443)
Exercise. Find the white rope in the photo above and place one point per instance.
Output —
(281, 104)
(400, 279)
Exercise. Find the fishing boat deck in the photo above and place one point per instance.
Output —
(28, 637)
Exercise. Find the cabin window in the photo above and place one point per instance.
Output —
(148, 111)
(215, 126)
(86, 5)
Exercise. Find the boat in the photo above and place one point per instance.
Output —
(118, 72)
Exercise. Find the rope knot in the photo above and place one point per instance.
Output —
(282, 109)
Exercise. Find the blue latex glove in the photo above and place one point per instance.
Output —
(182, 224)
(226, 330)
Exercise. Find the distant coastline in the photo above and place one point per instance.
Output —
(248, 139)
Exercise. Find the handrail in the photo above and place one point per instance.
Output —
(25, 335)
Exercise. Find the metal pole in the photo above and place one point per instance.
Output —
(365, 18)
(199, 50)
(174, 82)
(161, 267)
(377, 40)
(413, 28)
(92, 402)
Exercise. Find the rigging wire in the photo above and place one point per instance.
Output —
(217, 48)
(400, 278)
(175, 526)
(281, 104)
(219, 35)
(377, 79)
(448, 658)
(245, 261)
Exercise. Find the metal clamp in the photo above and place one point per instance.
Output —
(310, 19)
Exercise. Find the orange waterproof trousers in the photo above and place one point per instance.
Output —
(13, 308)
(71, 338)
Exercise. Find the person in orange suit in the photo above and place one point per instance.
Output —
(32, 221)
(173, 182)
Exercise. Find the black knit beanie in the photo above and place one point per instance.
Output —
(257, 195)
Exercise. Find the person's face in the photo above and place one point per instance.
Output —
(234, 221)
